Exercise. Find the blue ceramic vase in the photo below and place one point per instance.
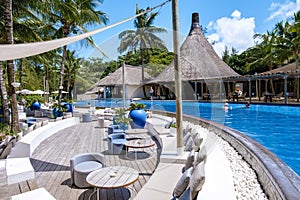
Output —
(138, 117)
(57, 113)
(36, 106)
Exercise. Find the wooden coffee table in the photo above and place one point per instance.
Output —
(136, 131)
(112, 178)
(138, 143)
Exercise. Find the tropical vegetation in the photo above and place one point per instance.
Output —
(32, 21)
(144, 38)
(275, 48)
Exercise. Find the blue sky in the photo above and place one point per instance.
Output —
(230, 22)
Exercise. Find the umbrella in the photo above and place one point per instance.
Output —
(38, 92)
(56, 92)
(24, 91)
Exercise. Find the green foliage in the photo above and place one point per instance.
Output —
(91, 71)
(6, 129)
(131, 58)
(32, 98)
(157, 60)
(60, 107)
(143, 38)
(121, 116)
(136, 106)
(273, 49)
(173, 125)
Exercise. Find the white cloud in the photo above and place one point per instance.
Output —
(283, 10)
(235, 32)
(210, 25)
(236, 14)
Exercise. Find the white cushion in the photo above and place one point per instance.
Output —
(197, 179)
(201, 156)
(189, 160)
(183, 182)
(197, 142)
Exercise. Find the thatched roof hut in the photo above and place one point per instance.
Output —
(289, 68)
(114, 82)
(133, 76)
(198, 59)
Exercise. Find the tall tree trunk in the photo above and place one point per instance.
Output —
(271, 80)
(68, 84)
(46, 94)
(296, 53)
(62, 71)
(21, 74)
(143, 69)
(8, 21)
(4, 97)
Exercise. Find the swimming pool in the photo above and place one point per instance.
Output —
(276, 127)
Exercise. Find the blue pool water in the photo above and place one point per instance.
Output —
(275, 127)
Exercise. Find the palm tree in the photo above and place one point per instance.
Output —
(294, 45)
(73, 17)
(4, 97)
(289, 42)
(25, 22)
(3, 91)
(265, 53)
(72, 66)
(8, 20)
(143, 38)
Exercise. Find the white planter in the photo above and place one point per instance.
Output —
(172, 131)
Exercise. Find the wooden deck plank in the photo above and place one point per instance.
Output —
(51, 162)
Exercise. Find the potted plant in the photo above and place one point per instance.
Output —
(173, 129)
(121, 119)
(138, 115)
(58, 110)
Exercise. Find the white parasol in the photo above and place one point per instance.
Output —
(56, 92)
(24, 91)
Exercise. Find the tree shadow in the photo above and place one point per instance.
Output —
(40, 166)
(106, 194)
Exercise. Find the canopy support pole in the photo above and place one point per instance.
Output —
(124, 86)
(177, 68)
(250, 92)
(285, 89)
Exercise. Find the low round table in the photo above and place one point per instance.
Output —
(112, 178)
(136, 131)
(138, 143)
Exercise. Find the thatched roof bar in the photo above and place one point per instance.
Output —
(198, 60)
(133, 76)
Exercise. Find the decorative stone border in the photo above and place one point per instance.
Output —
(278, 180)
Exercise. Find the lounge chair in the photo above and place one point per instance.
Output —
(243, 96)
(278, 97)
(81, 165)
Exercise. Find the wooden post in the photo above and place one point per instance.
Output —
(124, 86)
(249, 88)
(177, 71)
(285, 88)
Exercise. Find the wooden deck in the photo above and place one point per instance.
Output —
(52, 169)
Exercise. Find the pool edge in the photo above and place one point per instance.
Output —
(278, 180)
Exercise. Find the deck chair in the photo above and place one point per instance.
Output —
(278, 96)
(243, 96)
